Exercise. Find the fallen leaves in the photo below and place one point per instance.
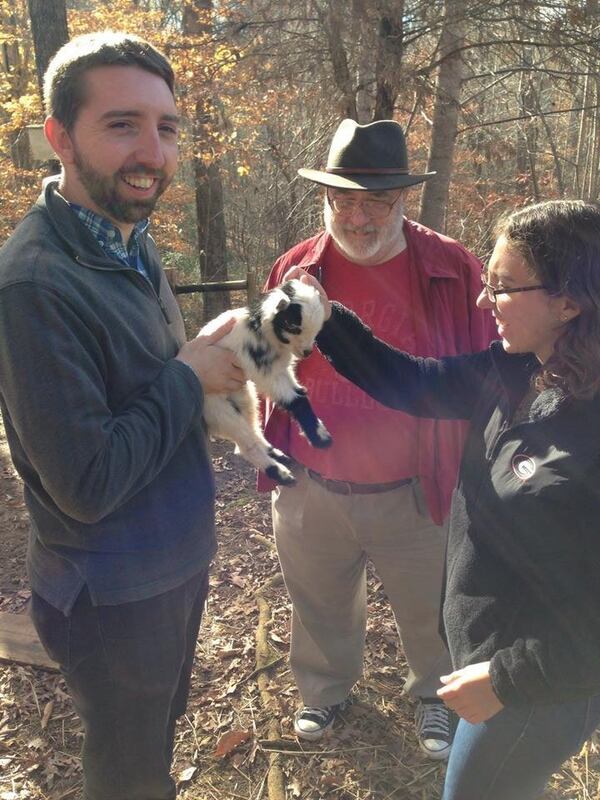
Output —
(223, 745)
(230, 741)
(48, 709)
(186, 775)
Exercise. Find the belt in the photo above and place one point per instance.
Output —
(348, 488)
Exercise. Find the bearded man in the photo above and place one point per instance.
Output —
(102, 402)
(382, 490)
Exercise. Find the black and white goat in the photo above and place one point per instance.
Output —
(268, 338)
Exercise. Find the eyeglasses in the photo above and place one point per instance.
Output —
(492, 293)
(376, 209)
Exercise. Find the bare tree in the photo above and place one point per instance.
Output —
(332, 20)
(434, 198)
(50, 32)
(388, 63)
(210, 210)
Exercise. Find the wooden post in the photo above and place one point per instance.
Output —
(252, 288)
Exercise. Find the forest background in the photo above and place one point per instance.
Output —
(501, 98)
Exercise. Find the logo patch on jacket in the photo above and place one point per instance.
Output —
(523, 467)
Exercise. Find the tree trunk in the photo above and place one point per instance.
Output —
(390, 46)
(332, 22)
(50, 32)
(527, 132)
(211, 234)
(365, 68)
(434, 199)
(210, 213)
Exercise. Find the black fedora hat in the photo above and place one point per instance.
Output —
(369, 157)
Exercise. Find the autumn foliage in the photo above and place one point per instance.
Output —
(263, 84)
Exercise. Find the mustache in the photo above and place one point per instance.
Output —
(140, 169)
(359, 228)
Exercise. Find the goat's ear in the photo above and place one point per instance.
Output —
(274, 302)
(282, 302)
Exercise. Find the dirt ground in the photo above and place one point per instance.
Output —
(235, 741)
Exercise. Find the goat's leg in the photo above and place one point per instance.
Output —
(278, 455)
(250, 411)
(232, 419)
(286, 393)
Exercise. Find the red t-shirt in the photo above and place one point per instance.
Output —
(371, 443)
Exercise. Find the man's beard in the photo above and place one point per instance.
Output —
(360, 250)
(104, 191)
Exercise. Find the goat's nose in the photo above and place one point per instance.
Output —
(307, 352)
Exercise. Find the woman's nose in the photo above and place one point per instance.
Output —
(483, 300)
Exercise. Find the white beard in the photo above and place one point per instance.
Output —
(380, 239)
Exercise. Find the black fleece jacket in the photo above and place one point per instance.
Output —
(104, 425)
(523, 563)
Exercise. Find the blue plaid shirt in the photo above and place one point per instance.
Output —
(110, 240)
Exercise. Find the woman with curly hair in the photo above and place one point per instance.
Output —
(521, 607)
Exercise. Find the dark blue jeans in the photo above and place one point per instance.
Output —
(513, 754)
(128, 670)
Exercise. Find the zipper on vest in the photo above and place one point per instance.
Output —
(146, 282)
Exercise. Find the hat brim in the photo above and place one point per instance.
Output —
(365, 183)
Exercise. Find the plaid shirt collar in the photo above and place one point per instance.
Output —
(109, 237)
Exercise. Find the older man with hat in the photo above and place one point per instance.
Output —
(382, 490)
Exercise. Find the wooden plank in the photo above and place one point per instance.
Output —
(38, 144)
(19, 642)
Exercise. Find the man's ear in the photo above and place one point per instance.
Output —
(59, 139)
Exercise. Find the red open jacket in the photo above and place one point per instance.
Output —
(447, 323)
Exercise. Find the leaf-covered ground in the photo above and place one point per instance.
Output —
(236, 740)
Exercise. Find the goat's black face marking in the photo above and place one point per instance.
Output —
(289, 320)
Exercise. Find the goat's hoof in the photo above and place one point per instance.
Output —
(281, 475)
(322, 437)
(279, 456)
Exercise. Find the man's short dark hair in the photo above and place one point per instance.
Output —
(64, 80)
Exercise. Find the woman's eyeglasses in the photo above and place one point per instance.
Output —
(492, 293)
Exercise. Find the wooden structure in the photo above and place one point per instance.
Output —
(248, 285)
(19, 642)
(31, 148)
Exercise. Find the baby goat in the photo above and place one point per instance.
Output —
(268, 338)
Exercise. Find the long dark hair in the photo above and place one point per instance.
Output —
(560, 241)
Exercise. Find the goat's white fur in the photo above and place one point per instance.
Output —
(235, 416)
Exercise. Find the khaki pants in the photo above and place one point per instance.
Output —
(324, 540)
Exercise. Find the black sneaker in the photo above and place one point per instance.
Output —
(435, 728)
(311, 722)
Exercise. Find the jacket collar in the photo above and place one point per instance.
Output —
(313, 258)
(516, 372)
(76, 237)
(426, 250)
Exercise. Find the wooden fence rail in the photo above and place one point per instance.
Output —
(248, 285)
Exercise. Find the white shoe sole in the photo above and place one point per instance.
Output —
(312, 736)
(435, 755)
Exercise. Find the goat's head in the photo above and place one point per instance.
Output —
(296, 314)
